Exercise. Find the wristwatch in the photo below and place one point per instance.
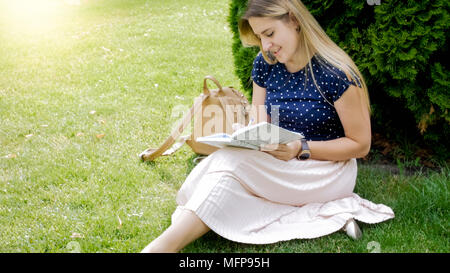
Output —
(304, 153)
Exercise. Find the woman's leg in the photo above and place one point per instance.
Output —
(187, 228)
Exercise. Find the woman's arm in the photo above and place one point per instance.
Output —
(355, 119)
(258, 112)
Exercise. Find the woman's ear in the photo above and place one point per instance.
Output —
(294, 22)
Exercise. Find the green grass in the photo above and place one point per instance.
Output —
(133, 63)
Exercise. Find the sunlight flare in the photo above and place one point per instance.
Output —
(34, 15)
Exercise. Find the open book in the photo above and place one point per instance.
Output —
(252, 137)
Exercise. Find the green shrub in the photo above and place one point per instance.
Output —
(400, 48)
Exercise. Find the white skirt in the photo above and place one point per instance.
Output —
(252, 197)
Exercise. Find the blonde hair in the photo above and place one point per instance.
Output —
(314, 38)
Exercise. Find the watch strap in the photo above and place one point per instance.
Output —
(304, 153)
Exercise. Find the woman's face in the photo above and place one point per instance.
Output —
(278, 37)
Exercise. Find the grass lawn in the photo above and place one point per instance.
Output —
(85, 88)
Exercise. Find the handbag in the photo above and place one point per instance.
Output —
(214, 111)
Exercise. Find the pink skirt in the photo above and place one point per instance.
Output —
(251, 197)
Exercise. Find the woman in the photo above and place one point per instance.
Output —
(303, 189)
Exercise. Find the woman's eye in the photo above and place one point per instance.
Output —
(270, 34)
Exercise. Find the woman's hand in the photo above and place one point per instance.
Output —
(283, 151)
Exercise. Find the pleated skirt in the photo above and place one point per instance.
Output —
(252, 197)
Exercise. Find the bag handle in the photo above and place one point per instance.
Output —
(151, 153)
(206, 91)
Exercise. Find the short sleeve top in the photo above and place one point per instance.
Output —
(296, 101)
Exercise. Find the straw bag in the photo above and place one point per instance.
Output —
(214, 111)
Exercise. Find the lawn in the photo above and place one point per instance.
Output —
(85, 88)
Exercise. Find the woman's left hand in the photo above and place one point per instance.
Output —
(283, 151)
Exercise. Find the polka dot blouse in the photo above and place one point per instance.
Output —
(293, 101)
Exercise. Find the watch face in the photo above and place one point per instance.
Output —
(304, 156)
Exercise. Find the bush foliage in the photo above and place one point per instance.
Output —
(401, 49)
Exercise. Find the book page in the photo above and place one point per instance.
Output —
(265, 133)
(252, 137)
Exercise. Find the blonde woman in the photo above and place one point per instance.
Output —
(303, 189)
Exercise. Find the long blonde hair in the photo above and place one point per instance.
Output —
(314, 38)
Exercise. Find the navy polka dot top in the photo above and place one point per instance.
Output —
(294, 98)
